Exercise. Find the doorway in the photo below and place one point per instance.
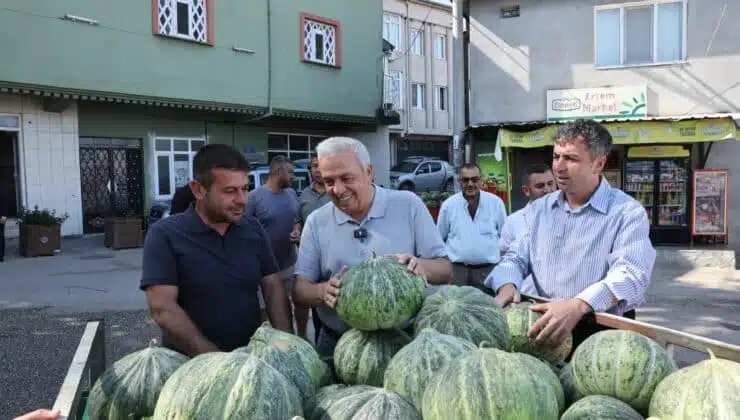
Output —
(111, 173)
(9, 177)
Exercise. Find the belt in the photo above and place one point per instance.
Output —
(474, 266)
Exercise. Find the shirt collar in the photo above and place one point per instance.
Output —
(377, 208)
(599, 201)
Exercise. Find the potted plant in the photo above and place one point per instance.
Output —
(433, 200)
(123, 230)
(40, 231)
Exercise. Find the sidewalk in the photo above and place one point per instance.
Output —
(86, 277)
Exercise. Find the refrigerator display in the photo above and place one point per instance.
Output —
(672, 196)
(662, 187)
(640, 183)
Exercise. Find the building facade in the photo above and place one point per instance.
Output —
(103, 104)
(661, 74)
(418, 77)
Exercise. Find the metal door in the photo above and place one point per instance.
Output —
(111, 173)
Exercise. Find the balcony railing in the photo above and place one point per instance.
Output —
(392, 91)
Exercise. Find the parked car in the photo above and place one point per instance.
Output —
(419, 174)
(257, 177)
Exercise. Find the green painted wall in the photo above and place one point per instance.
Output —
(122, 55)
(101, 120)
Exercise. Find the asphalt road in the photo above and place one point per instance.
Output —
(36, 348)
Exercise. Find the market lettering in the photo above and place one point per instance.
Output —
(713, 130)
(600, 108)
(687, 131)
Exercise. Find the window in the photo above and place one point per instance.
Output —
(321, 40)
(418, 94)
(440, 46)
(393, 88)
(174, 163)
(646, 33)
(417, 42)
(297, 147)
(187, 19)
(392, 29)
(435, 167)
(441, 98)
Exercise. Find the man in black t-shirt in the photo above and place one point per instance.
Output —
(202, 268)
(182, 199)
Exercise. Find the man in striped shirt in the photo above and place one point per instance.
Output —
(587, 247)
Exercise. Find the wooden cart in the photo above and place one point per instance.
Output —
(88, 362)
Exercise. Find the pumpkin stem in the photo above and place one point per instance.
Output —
(153, 343)
(484, 344)
(711, 353)
(375, 254)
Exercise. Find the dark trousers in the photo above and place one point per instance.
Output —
(471, 275)
(588, 327)
(2, 241)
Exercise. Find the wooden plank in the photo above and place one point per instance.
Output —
(68, 399)
(667, 337)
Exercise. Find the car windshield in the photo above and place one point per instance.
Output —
(405, 167)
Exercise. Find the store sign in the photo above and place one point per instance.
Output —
(9, 122)
(636, 132)
(600, 103)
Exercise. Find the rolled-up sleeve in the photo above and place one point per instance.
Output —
(514, 266)
(159, 265)
(630, 267)
(309, 253)
(427, 239)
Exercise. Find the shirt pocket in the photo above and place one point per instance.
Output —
(487, 227)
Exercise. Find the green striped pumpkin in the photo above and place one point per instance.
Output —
(279, 355)
(708, 390)
(379, 294)
(411, 368)
(520, 319)
(319, 371)
(465, 312)
(621, 364)
(491, 384)
(361, 357)
(364, 402)
(600, 407)
(228, 386)
(545, 374)
(129, 388)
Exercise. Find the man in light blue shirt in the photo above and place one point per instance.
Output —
(537, 182)
(470, 223)
(588, 246)
(362, 218)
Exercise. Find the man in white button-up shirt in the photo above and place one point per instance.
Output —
(537, 182)
(470, 223)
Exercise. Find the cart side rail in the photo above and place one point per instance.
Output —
(88, 362)
(667, 337)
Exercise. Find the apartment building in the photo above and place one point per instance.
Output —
(103, 103)
(418, 77)
(661, 74)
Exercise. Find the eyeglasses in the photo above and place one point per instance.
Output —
(472, 180)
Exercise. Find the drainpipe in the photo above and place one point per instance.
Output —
(459, 122)
(269, 65)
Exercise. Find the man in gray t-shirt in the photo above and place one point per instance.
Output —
(362, 218)
(275, 206)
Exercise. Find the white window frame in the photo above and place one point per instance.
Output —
(440, 46)
(171, 155)
(438, 94)
(173, 32)
(417, 42)
(287, 151)
(394, 79)
(310, 55)
(654, 4)
(393, 23)
(418, 95)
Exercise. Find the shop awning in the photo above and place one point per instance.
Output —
(655, 130)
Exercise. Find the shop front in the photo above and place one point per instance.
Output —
(657, 161)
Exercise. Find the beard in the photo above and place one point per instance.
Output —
(216, 214)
